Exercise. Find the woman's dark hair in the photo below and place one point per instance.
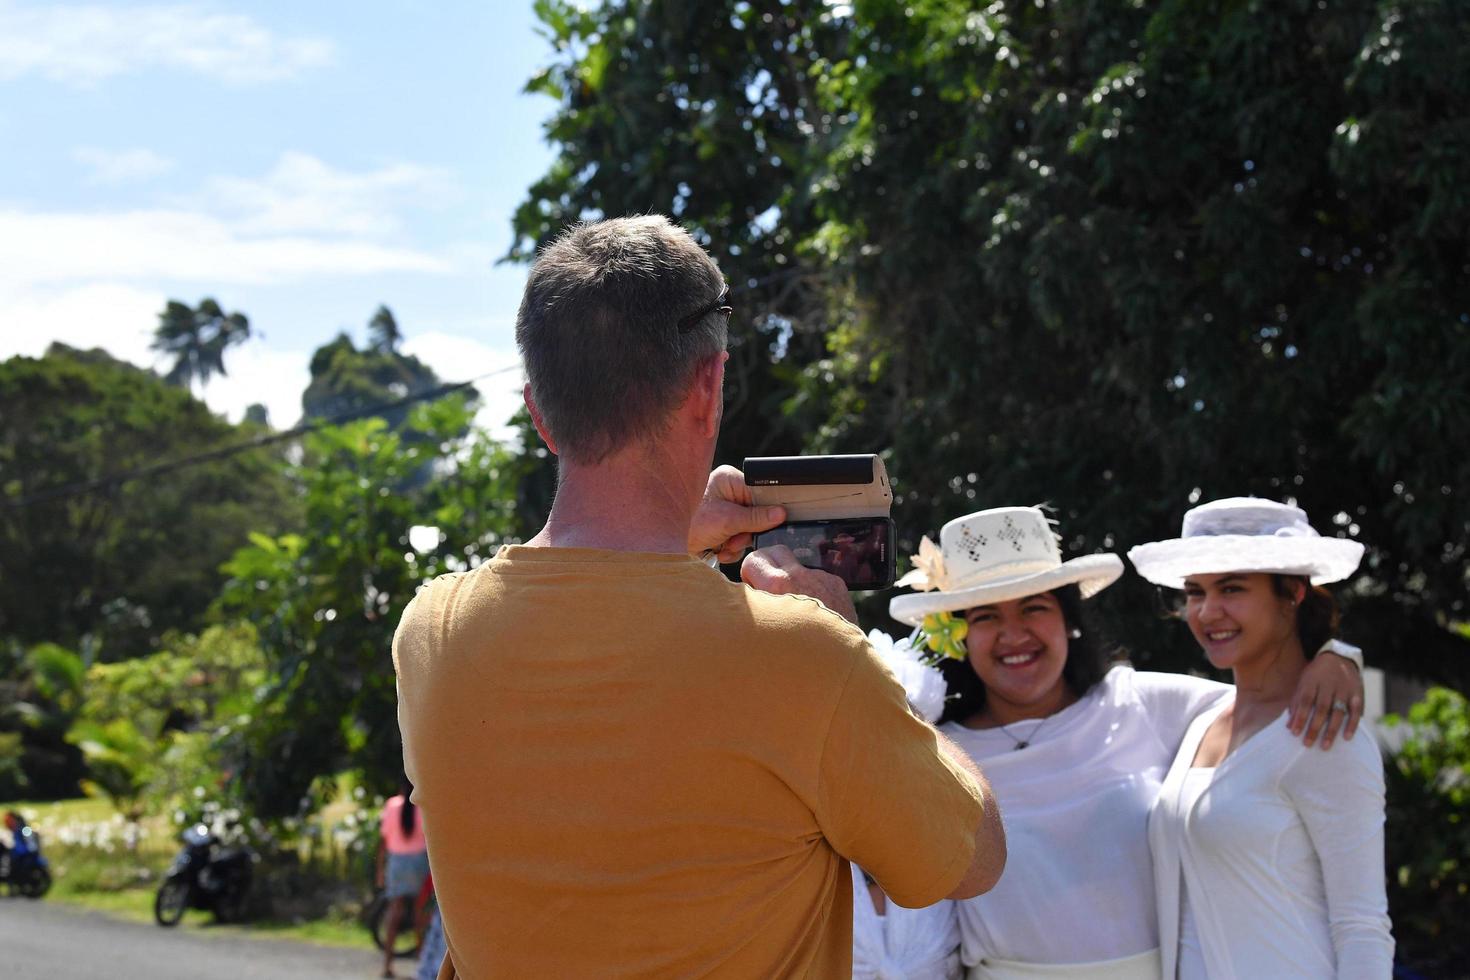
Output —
(1088, 658)
(1316, 613)
(406, 815)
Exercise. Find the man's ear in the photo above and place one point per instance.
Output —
(536, 419)
(708, 393)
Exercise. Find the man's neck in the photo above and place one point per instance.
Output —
(628, 502)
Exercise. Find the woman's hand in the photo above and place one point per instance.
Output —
(1328, 700)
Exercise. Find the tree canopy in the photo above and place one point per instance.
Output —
(1113, 258)
(113, 565)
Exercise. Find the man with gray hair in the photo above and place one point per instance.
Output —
(627, 765)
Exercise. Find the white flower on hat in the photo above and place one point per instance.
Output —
(928, 571)
(922, 683)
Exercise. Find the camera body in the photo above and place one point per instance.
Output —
(837, 511)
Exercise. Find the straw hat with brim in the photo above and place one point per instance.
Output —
(1246, 534)
(993, 556)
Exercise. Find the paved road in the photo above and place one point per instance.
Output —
(49, 941)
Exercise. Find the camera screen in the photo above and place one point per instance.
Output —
(856, 550)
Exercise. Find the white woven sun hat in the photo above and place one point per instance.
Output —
(993, 556)
(1246, 534)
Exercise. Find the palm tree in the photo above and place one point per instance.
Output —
(197, 340)
(383, 333)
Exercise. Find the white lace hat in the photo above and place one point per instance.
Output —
(992, 556)
(1246, 534)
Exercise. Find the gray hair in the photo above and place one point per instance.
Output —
(599, 331)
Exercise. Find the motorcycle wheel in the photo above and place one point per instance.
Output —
(172, 899)
(35, 884)
(406, 943)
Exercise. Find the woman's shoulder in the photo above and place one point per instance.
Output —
(1361, 753)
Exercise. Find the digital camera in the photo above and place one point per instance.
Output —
(837, 511)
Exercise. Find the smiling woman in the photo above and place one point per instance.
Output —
(1268, 859)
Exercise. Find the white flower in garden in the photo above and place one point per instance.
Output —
(923, 684)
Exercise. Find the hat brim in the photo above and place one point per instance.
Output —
(1090, 573)
(1169, 563)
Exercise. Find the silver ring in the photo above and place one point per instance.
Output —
(1340, 706)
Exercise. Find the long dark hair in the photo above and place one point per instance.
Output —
(1316, 613)
(1088, 658)
(407, 814)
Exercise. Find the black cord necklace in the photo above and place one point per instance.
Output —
(1022, 743)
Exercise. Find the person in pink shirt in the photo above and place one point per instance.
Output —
(403, 863)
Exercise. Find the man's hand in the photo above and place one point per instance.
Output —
(726, 518)
(777, 571)
(1330, 693)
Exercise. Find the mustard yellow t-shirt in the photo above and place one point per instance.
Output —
(631, 767)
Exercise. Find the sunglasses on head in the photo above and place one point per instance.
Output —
(720, 305)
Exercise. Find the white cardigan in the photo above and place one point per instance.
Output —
(1282, 855)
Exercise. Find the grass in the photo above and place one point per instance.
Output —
(92, 867)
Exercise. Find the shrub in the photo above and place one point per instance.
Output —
(1428, 835)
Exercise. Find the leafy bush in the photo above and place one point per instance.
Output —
(1428, 835)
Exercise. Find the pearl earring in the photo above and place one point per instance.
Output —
(1075, 634)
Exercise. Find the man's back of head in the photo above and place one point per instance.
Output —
(615, 318)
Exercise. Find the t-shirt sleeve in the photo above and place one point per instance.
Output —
(1339, 796)
(887, 797)
(1172, 701)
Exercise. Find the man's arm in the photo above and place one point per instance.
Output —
(776, 570)
(990, 837)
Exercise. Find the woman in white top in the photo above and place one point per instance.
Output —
(1268, 858)
(1075, 750)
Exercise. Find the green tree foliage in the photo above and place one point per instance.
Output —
(345, 379)
(383, 333)
(1111, 256)
(197, 339)
(326, 601)
(141, 720)
(117, 564)
(40, 696)
(1428, 835)
(120, 763)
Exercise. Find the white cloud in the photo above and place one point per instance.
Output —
(114, 316)
(274, 378)
(303, 194)
(40, 247)
(455, 357)
(81, 44)
(121, 166)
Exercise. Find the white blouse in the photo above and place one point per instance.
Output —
(1282, 854)
(1079, 884)
(902, 944)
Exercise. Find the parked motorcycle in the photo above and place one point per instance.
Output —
(23, 869)
(205, 875)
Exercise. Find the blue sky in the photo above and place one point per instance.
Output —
(300, 162)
